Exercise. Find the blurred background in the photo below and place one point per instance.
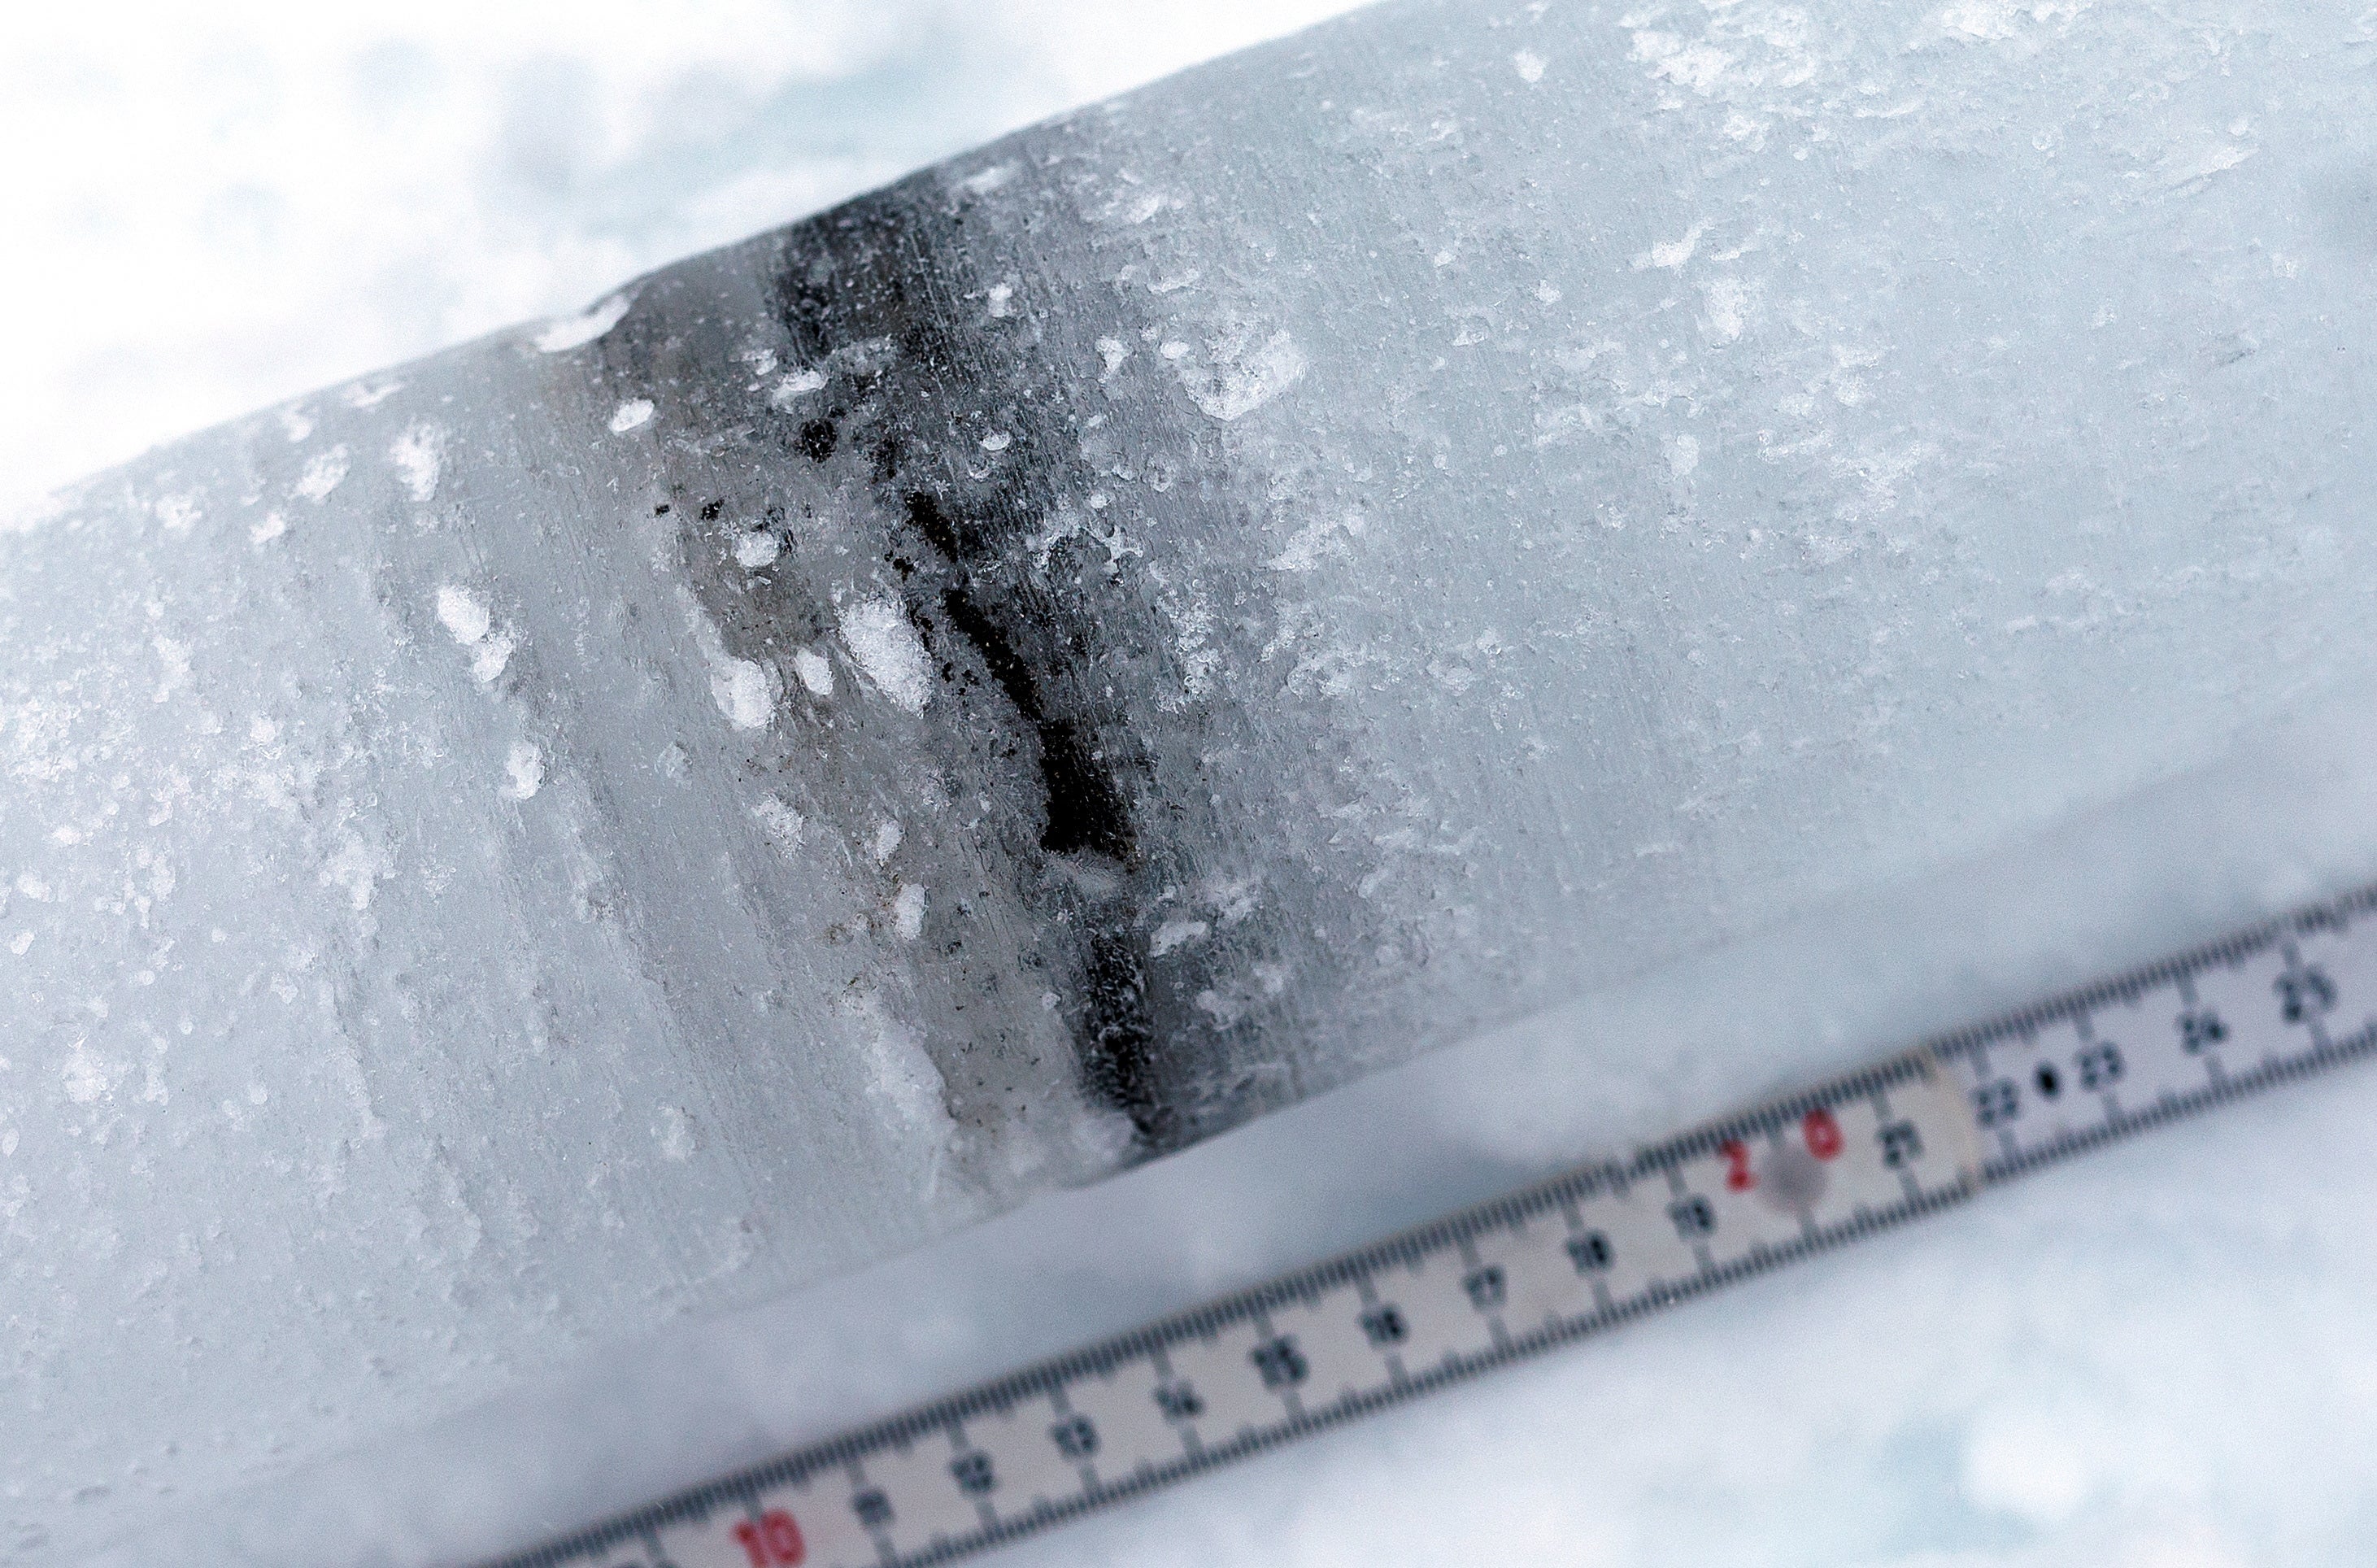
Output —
(211, 208)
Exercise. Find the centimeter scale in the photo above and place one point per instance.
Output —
(1582, 1253)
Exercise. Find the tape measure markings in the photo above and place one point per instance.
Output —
(1572, 1257)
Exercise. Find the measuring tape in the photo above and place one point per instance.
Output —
(1578, 1255)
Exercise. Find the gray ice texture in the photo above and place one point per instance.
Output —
(1360, 543)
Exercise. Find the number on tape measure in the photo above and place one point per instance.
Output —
(1384, 1325)
(1281, 1363)
(1821, 1131)
(772, 1540)
(1693, 1217)
(1075, 1438)
(1590, 1252)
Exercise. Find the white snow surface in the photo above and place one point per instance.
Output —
(212, 207)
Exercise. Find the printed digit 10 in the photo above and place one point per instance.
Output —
(772, 1540)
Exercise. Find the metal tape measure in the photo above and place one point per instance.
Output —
(1582, 1253)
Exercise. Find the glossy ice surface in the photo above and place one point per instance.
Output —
(1361, 544)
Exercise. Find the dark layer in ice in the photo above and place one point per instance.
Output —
(966, 461)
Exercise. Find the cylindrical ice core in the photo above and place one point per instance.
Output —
(1107, 637)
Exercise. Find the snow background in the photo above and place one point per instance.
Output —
(214, 207)
(2161, 1356)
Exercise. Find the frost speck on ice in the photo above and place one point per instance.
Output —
(323, 474)
(1176, 933)
(795, 386)
(908, 912)
(782, 824)
(889, 650)
(903, 1077)
(418, 457)
(815, 673)
(1321, 537)
(1670, 255)
(745, 692)
(471, 624)
(634, 412)
(463, 614)
(576, 331)
(743, 689)
(673, 1130)
(523, 772)
(1241, 370)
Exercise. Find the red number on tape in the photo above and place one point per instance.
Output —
(1824, 1135)
(774, 1540)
